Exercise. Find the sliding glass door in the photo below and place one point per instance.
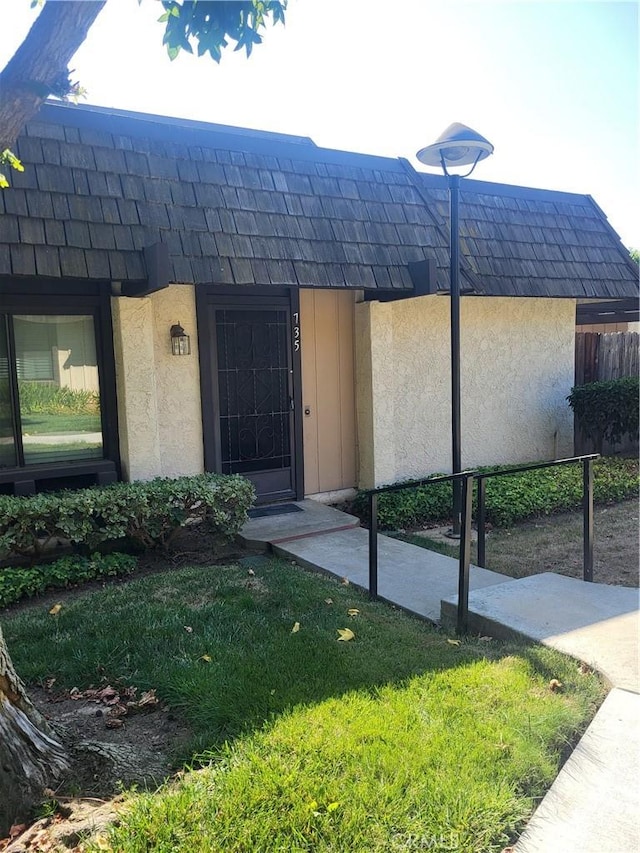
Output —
(8, 455)
(49, 389)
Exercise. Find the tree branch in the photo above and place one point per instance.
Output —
(41, 62)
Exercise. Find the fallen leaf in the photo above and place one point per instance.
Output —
(206, 658)
(17, 829)
(55, 609)
(453, 642)
(328, 601)
(555, 685)
(353, 611)
(114, 723)
(346, 634)
(108, 695)
(345, 581)
(148, 698)
(188, 629)
(585, 669)
(332, 807)
(296, 628)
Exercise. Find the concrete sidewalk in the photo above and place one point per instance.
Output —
(594, 804)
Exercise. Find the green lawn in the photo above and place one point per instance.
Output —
(402, 738)
(38, 423)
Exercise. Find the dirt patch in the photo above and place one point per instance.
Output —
(116, 739)
(554, 544)
(113, 745)
(139, 741)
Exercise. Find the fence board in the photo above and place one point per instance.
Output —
(601, 356)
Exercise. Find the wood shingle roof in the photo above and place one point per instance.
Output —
(245, 207)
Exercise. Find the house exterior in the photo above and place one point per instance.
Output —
(309, 282)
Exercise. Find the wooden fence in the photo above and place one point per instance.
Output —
(601, 356)
(609, 355)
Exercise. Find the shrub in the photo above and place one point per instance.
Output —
(147, 514)
(408, 507)
(51, 399)
(20, 582)
(510, 498)
(607, 411)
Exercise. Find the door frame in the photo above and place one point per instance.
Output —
(214, 296)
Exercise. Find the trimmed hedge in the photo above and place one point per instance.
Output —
(20, 582)
(607, 411)
(510, 498)
(147, 514)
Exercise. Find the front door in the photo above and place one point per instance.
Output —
(252, 394)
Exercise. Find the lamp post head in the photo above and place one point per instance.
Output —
(459, 145)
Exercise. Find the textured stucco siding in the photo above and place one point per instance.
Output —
(517, 366)
(159, 411)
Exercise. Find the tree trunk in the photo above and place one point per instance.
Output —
(41, 61)
(30, 755)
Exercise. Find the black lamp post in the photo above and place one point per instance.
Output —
(457, 146)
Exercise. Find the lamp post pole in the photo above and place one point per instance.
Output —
(459, 145)
(454, 256)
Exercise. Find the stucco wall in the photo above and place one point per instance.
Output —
(159, 412)
(517, 366)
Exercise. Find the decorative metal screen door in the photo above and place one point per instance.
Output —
(254, 391)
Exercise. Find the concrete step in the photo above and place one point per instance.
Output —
(314, 518)
(596, 623)
(411, 577)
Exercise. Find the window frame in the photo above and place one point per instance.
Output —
(55, 297)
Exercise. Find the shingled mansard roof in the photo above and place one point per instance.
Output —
(245, 207)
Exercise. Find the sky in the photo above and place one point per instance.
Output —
(553, 84)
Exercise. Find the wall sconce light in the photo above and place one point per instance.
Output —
(180, 343)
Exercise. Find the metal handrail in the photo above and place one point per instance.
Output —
(587, 504)
(464, 560)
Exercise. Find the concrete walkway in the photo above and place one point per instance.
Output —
(325, 538)
(594, 804)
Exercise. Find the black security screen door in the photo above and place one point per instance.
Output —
(254, 385)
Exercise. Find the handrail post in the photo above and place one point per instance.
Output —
(481, 522)
(373, 546)
(587, 519)
(465, 556)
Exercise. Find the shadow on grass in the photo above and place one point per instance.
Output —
(231, 647)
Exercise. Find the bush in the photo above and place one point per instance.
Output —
(408, 507)
(607, 411)
(147, 514)
(20, 582)
(50, 399)
(510, 498)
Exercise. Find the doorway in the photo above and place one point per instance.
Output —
(249, 393)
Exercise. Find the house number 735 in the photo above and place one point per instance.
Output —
(296, 331)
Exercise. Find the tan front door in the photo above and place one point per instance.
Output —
(328, 391)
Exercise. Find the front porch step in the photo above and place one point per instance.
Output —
(315, 518)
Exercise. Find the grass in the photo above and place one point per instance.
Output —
(38, 423)
(403, 738)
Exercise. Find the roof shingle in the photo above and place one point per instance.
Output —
(249, 207)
